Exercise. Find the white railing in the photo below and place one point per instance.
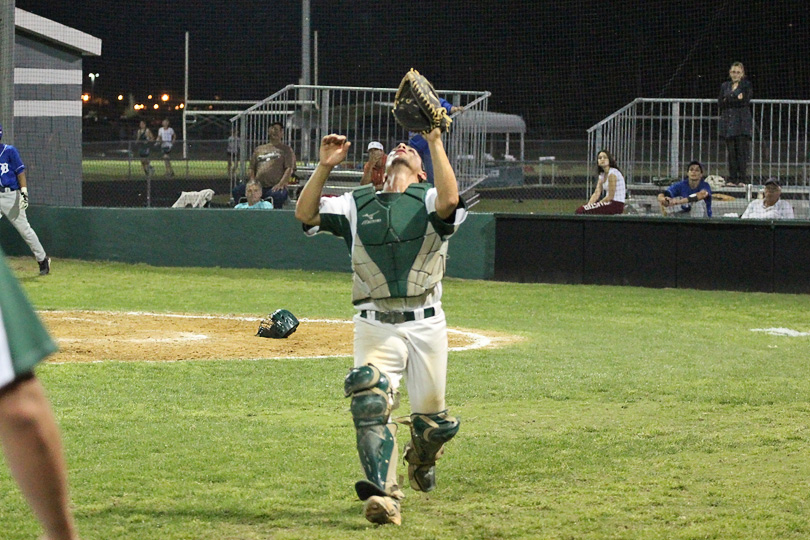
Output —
(653, 140)
(363, 114)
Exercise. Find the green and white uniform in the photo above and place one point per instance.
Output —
(24, 342)
(398, 246)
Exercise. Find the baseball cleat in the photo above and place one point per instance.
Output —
(382, 510)
(45, 266)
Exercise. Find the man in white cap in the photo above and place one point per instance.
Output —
(374, 169)
(770, 206)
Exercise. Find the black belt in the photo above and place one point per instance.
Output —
(397, 317)
(7, 189)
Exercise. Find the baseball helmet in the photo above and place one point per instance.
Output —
(279, 324)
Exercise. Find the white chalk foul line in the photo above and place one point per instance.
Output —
(781, 332)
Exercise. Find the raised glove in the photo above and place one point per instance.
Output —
(23, 198)
(417, 107)
(279, 324)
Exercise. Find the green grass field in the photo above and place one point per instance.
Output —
(109, 170)
(624, 413)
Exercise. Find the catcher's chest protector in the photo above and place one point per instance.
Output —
(394, 242)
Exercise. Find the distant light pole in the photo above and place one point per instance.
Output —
(93, 77)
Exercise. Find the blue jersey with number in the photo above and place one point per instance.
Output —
(10, 166)
(682, 189)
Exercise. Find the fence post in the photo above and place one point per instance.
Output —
(674, 139)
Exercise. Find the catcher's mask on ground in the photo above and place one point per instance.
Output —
(279, 324)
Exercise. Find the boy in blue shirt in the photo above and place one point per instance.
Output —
(687, 192)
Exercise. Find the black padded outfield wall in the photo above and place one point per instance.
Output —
(720, 254)
(619, 250)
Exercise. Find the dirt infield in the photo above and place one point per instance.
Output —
(93, 336)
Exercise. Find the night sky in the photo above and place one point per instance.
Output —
(562, 65)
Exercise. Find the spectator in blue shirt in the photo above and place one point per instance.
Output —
(688, 192)
(253, 194)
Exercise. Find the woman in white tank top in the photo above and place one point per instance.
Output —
(611, 182)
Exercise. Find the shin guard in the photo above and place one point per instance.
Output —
(372, 400)
(429, 432)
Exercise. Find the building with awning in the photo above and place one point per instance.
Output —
(46, 100)
(499, 128)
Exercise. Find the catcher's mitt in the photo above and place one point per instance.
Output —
(417, 107)
(279, 324)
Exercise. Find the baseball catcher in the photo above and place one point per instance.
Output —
(398, 240)
(279, 324)
(417, 106)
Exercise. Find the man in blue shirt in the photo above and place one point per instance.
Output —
(14, 201)
(687, 192)
(253, 194)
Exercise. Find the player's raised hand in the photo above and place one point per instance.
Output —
(334, 149)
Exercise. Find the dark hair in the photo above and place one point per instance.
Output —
(699, 164)
(611, 161)
(277, 123)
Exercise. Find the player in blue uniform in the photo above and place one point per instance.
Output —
(14, 201)
(688, 192)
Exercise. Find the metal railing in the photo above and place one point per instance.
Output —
(653, 139)
(362, 114)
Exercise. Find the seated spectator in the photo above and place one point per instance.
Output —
(272, 164)
(253, 194)
(688, 193)
(374, 169)
(770, 206)
(610, 183)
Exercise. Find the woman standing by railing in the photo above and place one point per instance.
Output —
(736, 123)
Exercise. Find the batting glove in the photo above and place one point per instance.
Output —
(23, 198)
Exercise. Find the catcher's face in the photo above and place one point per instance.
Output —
(405, 168)
(408, 155)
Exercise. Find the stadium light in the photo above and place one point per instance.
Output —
(93, 77)
(85, 97)
(164, 97)
(120, 97)
(155, 106)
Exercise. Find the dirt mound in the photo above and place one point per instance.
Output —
(92, 336)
